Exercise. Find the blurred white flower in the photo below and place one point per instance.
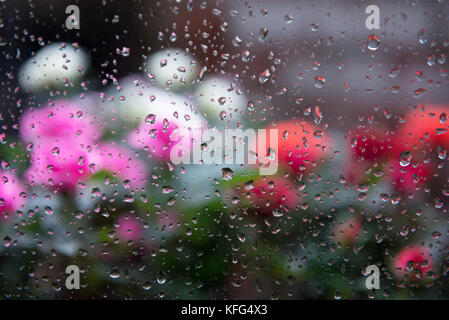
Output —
(221, 100)
(138, 98)
(56, 65)
(172, 68)
(169, 122)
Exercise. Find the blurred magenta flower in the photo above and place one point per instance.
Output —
(158, 138)
(129, 227)
(121, 163)
(62, 135)
(414, 261)
(407, 179)
(11, 188)
(60, 164)
(370, 143)
(61, 119)
(159, 134)
(368, 147)
(169, 221)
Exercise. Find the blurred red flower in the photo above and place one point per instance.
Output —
(301, 144)
(425, 130)
(413, 261)
(406, 179)
(369, 148)
(273, 195)
(370, 143)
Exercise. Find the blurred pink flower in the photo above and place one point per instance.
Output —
(407, 179)
(168, 221)
(370, 143)
(61, 119)
(58, 163)
(121, 163)
(10, 190)
(348, 231)
(129, 227)
(414, 261)
(159, 137)
(61, 134)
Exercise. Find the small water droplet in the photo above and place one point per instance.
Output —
(227, 173)
(320, 81)
(115, 273)
(405, 158)
(373, 42)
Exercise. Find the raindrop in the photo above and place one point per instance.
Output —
(125, 51)
(222, 115)
(277, 213)
(439, 131)
(373, 42)
(431, 60)
(394, 72)
(7, 241)
(173, 37)
(442, 153)
(150, 119)
(264, 76)
(222, 100)
(251, 106)
(263, 32)
(419, 92)
(317, 115)
(288, 18)
(320, 81)
(227, 173)
(421, 37)
(405, 158)
(161, 277)
(245, 55)
(271, 154)
(249, 185)
(115, 273)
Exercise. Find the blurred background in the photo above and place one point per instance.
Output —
(193, 231)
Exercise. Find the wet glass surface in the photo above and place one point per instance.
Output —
(224, 149)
